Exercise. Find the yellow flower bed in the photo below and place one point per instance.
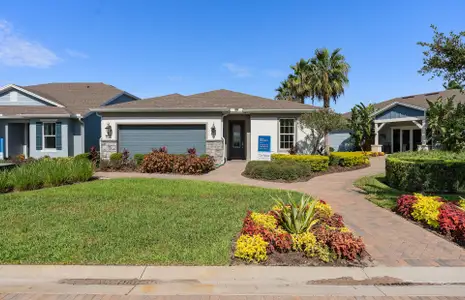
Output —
(426, 209)
(267, 221)
(251, 248)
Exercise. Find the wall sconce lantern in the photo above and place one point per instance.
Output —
(109, 131)
(213, 130)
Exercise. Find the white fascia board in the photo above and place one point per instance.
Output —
(14, 86)
(283, 111)
(400, 119)
(139, 109)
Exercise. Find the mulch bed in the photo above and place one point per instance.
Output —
(331, 169)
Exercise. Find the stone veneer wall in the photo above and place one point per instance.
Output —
(215, 149)
(107, 147)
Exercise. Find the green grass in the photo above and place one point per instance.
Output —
(382, 195)
(127, 221)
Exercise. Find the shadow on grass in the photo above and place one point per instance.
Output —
(378, 192)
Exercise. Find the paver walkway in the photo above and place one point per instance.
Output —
(390, 239)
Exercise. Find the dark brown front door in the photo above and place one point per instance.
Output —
(236, 140)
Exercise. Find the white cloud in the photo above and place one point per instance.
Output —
(175, 78)
(76, 54)
(274, 73)
(237, 70)
(16, 51)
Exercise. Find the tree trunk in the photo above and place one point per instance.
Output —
(326, 106)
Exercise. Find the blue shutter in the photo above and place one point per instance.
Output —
(58, 135)
(39, 136)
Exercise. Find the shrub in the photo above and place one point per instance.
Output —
(116, 156)
(49, 173)
(162, 162)
(83, 156)
(6, 185)
(297, 217)
(426, 209)
(251, 248)
(323, 210)
(426, 171)
(124, 156)
(405, 205)
(452, 221)
(348, 159)
(303, 242)
(278, 170)
(335, 221)
(345, 244)
(94, 155)
(265, 220)
(139, 158)
(318, 163)
(191, 151)
(163, 149)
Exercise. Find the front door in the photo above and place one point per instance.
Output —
(236, 140)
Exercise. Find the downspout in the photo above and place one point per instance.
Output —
(83, 130)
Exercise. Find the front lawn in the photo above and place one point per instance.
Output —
(127, 221)
(378, 192)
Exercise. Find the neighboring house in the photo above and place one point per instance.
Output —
(221, 123)
(400, 123)
(53, 119)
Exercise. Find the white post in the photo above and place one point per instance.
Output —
(423, 136)
(376, 134)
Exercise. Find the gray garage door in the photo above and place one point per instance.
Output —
(177, 138)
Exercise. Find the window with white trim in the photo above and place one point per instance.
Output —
(49, 135)
(286, 134)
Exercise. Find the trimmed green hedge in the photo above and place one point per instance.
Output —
(317, 163)
(348, 159)
(286, 170)
(426, 171)
(139, 158)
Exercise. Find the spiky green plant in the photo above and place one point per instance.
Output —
(297, 216)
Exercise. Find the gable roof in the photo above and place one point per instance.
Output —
(77, 98)
(218, 100)
(418, 101)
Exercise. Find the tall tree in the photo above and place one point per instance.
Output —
(452, 85)
(444, 57)
(320, 123)
(322, 77)
(329, 76)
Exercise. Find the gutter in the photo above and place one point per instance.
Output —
(139, 109)
(27, 116)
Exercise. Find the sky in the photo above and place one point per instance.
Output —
(153, 48)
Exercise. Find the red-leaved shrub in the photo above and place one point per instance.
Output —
(277, 241)
(405, 205)
(345, 244)
(452, 221)
(162, 162)
(335, 220)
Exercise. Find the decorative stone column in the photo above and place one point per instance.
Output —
(107, 147)
(215, 148)
(376, 148)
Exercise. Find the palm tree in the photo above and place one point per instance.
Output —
(328, 76)
(297, 85)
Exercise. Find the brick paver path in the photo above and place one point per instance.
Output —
(390, 239)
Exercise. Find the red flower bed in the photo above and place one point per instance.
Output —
(450, 216)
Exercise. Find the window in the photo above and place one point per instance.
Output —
(286, 134)
(49, 136)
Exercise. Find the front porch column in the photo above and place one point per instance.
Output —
(377, 147)
(423, 145)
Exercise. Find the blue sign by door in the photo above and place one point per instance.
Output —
(264, 143)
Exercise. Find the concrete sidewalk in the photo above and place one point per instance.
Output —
(224, 281)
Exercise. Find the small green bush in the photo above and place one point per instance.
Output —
(426, 171)
(318, 163)
(5, 182)
(286, 170)
(139, 158)
(348, 159)
(83, 156)
(116, 156)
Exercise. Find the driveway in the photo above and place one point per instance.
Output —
(390, 239)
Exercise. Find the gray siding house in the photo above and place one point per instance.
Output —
(53, 119)
(400, 123)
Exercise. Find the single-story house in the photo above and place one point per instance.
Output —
(53, 119)
(221, 123)
(400, 123)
